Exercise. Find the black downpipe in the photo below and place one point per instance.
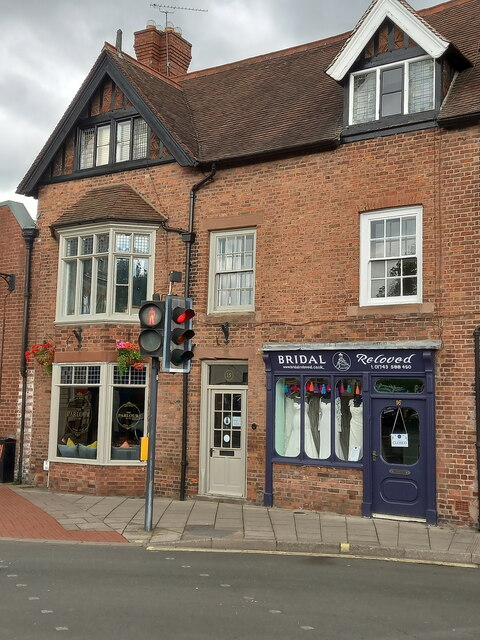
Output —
(189, 240)
(476, 335)
(29, 234)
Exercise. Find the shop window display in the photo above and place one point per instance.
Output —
(319, 422)
(97, 415)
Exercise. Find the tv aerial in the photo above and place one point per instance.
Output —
(164, 8)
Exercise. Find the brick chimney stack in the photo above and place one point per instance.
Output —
(152, 46)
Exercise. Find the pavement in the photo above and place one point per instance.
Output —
(37, 514)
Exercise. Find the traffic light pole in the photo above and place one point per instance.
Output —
(152, 429)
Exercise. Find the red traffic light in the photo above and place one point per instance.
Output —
(181, 315)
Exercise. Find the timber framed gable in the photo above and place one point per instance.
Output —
(58, 160)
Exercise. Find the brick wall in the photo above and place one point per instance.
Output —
(306, 211)
(12, 260)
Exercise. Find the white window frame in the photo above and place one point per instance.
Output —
(110, 314)
(105, 410)
(365, 261)
(213, 307)
(377, 70)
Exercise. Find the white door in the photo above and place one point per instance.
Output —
(226, 440)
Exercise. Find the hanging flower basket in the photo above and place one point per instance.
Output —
(128, 355)
(44, 354)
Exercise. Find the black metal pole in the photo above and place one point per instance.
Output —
(476, 337)
(188, 253)
(152, 432)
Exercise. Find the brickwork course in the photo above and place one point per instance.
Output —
(281, 169)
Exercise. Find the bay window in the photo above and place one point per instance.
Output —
(104, 272)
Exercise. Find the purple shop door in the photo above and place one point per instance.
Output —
(399, 457)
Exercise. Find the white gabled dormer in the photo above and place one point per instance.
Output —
(388, 68)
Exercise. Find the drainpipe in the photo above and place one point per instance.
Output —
(476, 336)
(29, 234)
(189, 239)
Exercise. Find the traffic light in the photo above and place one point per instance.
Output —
(177, 346)
(150, 340)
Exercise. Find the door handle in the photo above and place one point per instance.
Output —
(374, 456)
(211, 452)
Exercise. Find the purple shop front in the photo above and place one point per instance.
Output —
(365, 408)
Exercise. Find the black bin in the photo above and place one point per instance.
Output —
(7, 459)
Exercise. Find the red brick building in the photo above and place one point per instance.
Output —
(322, 203)
(17, 235)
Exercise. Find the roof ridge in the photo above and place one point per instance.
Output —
(299, 48)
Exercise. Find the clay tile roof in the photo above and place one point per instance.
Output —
(459, 22)
(268, 104)
(118, 202)
(164, 96)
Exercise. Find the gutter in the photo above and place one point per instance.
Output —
(29, 234)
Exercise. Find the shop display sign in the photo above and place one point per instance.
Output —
(399, 439)
(399, 361)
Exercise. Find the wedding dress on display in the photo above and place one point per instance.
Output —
(355, 443)
(325, 430)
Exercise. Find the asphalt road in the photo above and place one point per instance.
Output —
(117, 592)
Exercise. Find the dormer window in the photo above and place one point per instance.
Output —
(395, 89)
(117, 141)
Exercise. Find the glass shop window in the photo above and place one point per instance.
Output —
(349, 420)
(128, 418)
(400, 428)
(318, 432)
(99, 415)
(78, 421)
(288, 405)
(399, 385)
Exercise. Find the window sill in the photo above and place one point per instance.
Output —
(389, 126)
(82, 321)
(234, 317)
(88, 461)
(392, 309)
(339, 464)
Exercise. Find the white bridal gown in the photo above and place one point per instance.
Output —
(356, 432)
(292, 430)
(324, 428)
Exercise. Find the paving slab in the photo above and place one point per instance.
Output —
(227, 526)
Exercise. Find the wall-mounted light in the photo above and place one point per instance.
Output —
(9, 279)
(78, 335)
(225, 327)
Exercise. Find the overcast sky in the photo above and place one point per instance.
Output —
(47, 47)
